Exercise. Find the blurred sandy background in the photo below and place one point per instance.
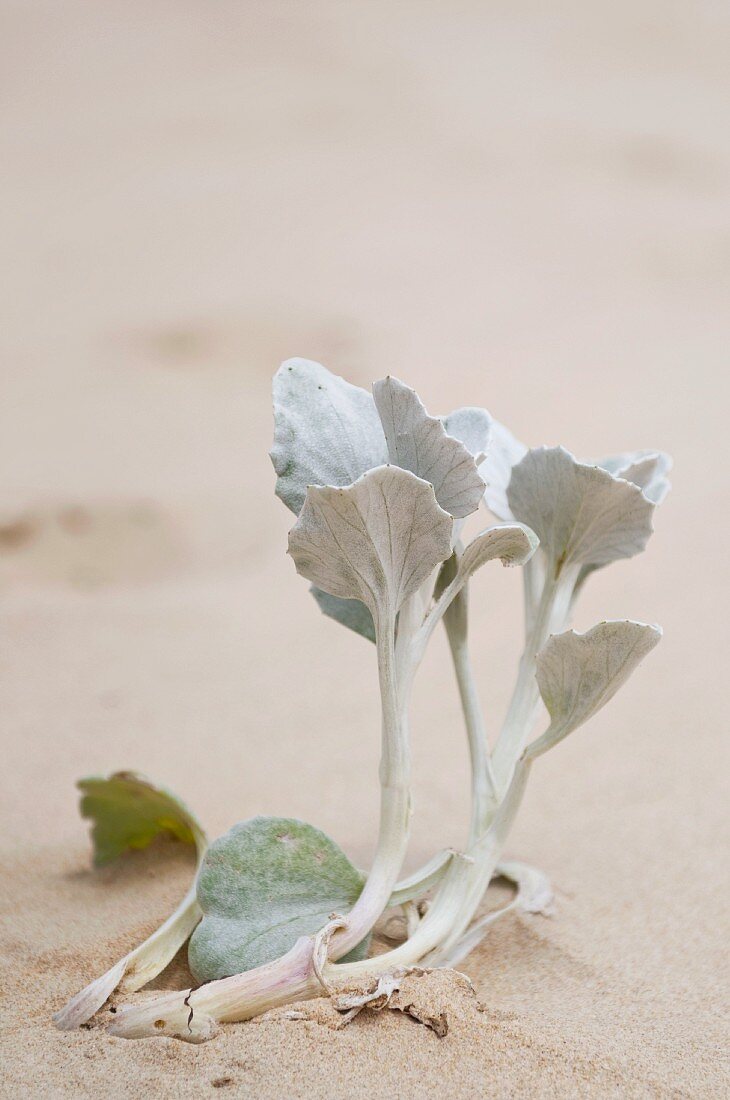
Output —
(521, 206)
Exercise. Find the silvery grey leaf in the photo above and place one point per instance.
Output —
(512, 543)
(578, 673)
(376, 540)
(351, 613)
(580, 513)
(326, 431)
(504, 453)
(647, 469)
(419, 443)
(472, 426)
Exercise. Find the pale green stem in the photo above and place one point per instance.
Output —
(395, 800)
(551, 614)
(483, 786)
(458, 897)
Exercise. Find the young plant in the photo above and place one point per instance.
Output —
(381, 490)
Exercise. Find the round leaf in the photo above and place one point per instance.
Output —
(261, 887)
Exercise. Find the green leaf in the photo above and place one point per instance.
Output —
(351, 613)
(129, 812)
(261, 887)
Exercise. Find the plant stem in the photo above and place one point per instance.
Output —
(192, 1014)
(551, 615)
(395, 800)
(483, 786)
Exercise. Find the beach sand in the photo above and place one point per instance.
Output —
(524, 209)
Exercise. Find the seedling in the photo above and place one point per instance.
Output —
(381, 491)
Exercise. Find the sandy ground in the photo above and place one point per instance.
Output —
(521, 206)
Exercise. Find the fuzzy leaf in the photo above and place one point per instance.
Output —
(578, 673)
(419, 443)
(129, 812)
(512, 543)
(647, 469)
(326, 431)
(504, 453)
(261, 887)
(351, 613)
(581, 514)
(375, 541)
(472, 426)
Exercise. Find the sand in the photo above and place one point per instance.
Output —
(524, 207)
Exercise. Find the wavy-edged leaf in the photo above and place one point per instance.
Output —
(351, 613)
(472, 426)
(261, 887)
(419, 443)
(128, 812)
(326, 431)
(503, 455)
(580, 513)
(578, 673)
(376, 541)
(511, 543)
(647, 469)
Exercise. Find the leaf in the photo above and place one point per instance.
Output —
(472, 426)
(504, 453)
(326, 431)
(261, 887)
(512, 543)
(581, 513)
(351, 613)
(374, 541)
(419, 443)
(647, 469)
(578, 673)
(129, 812)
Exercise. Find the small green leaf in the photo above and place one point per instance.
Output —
(351, 613)
(128, 812)
(261, 887)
